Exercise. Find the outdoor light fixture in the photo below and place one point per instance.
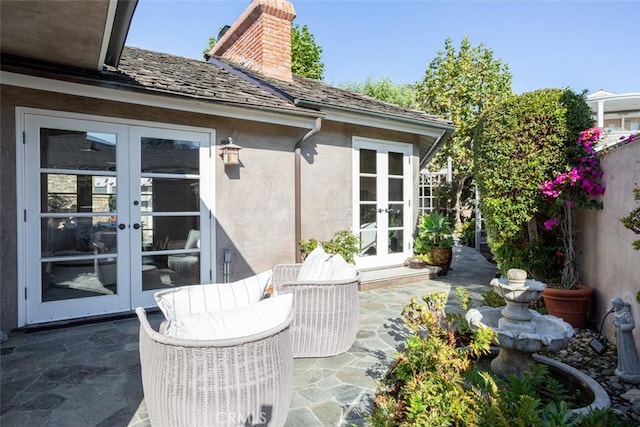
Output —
(230, 153)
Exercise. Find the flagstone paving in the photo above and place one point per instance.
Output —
(89, 375)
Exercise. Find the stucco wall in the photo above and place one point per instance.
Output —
(254, 202)
(326, 175)
(607, 261)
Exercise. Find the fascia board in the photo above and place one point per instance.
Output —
(106, 33)
(379, 120)
(264, 115)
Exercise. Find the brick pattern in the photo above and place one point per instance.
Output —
(260, 39)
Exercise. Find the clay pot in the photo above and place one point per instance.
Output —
(441, 257)
(571, 305)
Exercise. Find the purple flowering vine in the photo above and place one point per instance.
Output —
(580, 186)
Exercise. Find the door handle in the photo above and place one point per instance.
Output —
(136, 226)
(122, 226)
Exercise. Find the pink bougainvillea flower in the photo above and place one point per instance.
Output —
(550, 223)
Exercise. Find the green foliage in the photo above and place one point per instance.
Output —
(467, 232)
(434, 380)
(343, 243)
(306, 54)
(520, 142)
(459, 84)
(210, 43)
(492, 299)
(385, 89)
(434, 230)
(632, 221)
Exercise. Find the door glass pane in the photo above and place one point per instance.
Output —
(368, 216)
(367, 161)
(170, 156)
(65, 149)
(368, 242)
(396, 215)
(175, 245)
(71, 235)
(78, 278)
(169, 195)
(395, 164)
(78, 193)
(396, 242)
(396, 193)
(368, 189)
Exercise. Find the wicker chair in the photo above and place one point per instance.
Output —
(326, 312)
(239, 381)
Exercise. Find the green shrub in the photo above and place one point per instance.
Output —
(467, 232)
(519, 143)
(343, 242)
(434, 380)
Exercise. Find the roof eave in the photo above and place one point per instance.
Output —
(374, 114)
(121, 24)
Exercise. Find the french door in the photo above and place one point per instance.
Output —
(383, 191)
(112, 213)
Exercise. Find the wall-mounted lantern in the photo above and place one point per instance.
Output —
(230, 153)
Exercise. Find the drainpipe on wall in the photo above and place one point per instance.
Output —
(297, 185)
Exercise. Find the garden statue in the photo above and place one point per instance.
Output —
(628, 362)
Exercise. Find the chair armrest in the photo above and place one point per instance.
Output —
(285, 273)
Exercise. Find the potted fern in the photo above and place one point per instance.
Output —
(435, 239)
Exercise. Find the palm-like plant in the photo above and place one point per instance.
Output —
(434, 230)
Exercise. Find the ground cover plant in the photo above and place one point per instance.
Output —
(435, 380)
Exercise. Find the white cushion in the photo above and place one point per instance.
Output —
(193, 239)
(316, 266)
(218, 296)
(233, 323)
(341, 269)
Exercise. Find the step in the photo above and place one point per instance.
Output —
(395, 276)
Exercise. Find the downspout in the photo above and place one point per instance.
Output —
(317, 125)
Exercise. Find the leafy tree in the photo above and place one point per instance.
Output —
(385, 89)
(520, 142)
(459, 84)
(305, 54)
(210, 43)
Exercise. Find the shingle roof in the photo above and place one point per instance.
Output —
(223, 81)
(188, 77)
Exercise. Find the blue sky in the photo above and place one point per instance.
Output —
(582, 45)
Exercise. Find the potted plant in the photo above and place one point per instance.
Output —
(577, 187)
(343, 242)
(434, 238)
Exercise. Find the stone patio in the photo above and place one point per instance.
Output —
(89, 375)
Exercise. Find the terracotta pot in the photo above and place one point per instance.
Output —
(441, 257)
(572, 305)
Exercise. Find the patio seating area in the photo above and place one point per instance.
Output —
(89, 374)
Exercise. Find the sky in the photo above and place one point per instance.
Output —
(579, 44)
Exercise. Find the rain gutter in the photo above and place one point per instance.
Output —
(298, 185)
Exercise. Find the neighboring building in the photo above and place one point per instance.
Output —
(112, 181)
(617, 113)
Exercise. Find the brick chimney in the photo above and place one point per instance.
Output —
(260, 39)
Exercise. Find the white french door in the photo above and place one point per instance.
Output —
(383, 191)
(112, 213)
